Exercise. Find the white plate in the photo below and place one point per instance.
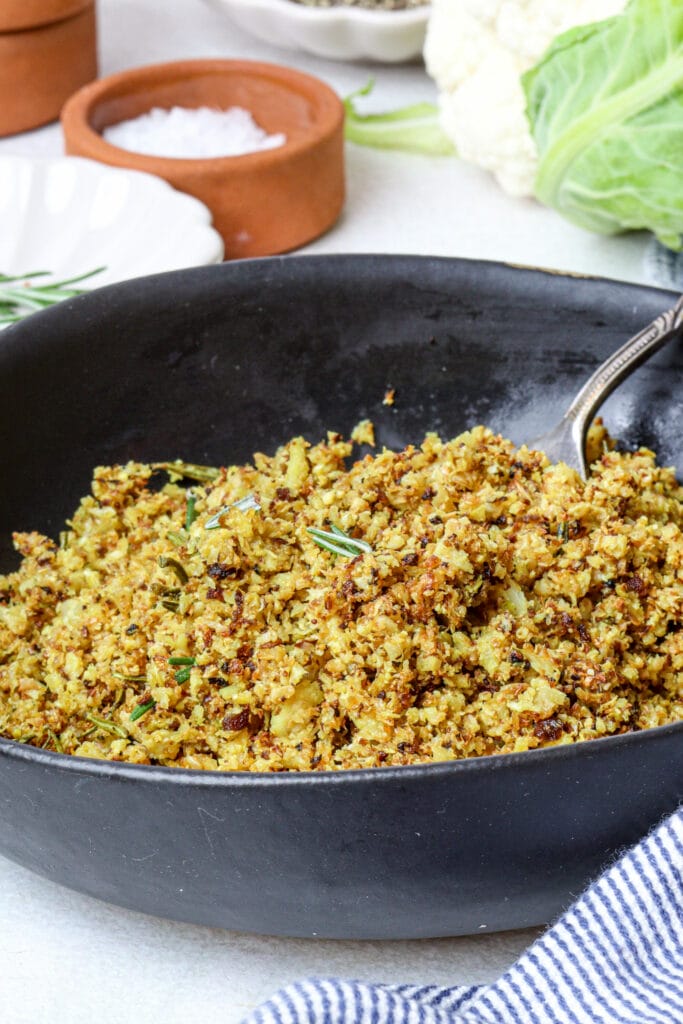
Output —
(69, 215)
(338, 33)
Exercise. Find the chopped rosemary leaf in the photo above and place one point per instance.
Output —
(182, 675)
(243, 505)
(335, 549)
(190, 511)
(55, 740)
(170, 605)
(142, 709)
(178, 537)
(362, 544)
(182, 661)
(174, 564)
(188, 471)
(106, 726)
(338, 542)
(129, 679)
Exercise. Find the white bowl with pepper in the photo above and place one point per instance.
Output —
(388, 31)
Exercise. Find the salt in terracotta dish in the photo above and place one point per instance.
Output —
(262, 203)
(48, 49)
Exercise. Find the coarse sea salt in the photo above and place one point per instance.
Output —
(186, 132)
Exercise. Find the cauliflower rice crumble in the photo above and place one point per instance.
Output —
(505, 604)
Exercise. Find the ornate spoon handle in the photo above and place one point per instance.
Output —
(619, 365)
(567, 440)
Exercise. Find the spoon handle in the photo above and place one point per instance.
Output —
(618, 366)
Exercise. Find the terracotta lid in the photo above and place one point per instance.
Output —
(262, 203)
(22, 14)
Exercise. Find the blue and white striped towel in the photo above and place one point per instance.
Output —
(615, 957)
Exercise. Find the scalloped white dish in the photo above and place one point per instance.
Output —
(338, 33)
(68, 216)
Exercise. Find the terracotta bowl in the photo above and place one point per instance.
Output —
(262, 203)
(21, 14)
(48, 50)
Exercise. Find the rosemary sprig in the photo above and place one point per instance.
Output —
(338, 542)
(190, 511)
(183, 674)
(19, 296)
(243, 505)
(175, 565)
(178, 537)
(188, 471)
(106, 726)
(142, 709)
(54, 740)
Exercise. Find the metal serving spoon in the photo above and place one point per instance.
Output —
(566, 442)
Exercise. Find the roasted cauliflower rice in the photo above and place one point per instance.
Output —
(455, 599)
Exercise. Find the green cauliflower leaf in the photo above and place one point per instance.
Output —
(605, 105)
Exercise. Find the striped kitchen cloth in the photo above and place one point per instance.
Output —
(615, 957)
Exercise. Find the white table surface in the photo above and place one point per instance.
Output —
(65, 957)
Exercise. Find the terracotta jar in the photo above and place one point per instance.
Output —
(262, 203)
(48, 50)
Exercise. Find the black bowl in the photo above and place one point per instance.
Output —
(213, 364)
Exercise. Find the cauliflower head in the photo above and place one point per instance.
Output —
(476, 51)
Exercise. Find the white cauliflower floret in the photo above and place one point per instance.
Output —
(476, 51)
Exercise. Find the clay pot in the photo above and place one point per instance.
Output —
(20, 14)
(262, 203)
(47, 50)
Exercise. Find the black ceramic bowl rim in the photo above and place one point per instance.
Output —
(404, 851)
(211, 778)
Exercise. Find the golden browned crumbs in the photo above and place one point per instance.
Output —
(505, 605)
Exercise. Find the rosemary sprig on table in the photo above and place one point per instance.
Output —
(19, 296)
(338, 542)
